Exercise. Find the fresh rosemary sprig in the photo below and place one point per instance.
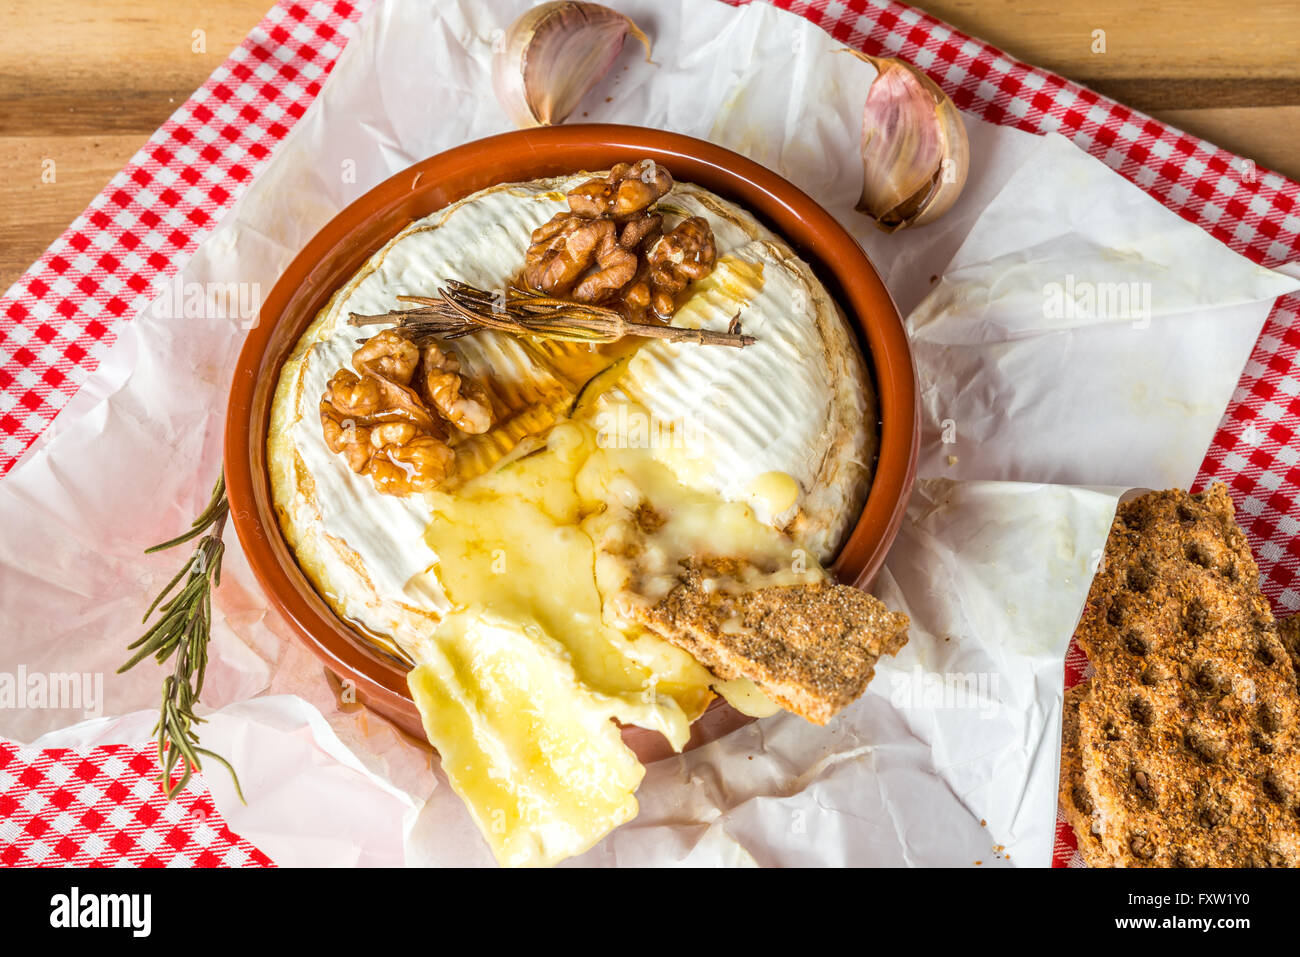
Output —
(460, 309)
(182, 630)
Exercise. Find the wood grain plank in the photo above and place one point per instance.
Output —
(77, 67)
(1265, 135)
(1223, 70)
(36, 212)
(1148, 40)
(84, 82)
(79, 45)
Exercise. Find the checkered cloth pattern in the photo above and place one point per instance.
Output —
(58, 319)
(101, 807)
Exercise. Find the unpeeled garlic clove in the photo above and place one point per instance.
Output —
(915, 154)
(553, 55)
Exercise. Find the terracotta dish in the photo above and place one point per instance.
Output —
(352, 236)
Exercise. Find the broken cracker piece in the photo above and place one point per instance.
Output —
(1076, 802)
(811, 648)
(1288, 632)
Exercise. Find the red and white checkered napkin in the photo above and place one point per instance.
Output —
(59, 318)
(98, 807)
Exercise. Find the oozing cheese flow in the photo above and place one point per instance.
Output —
(542, 643)
(513, 590)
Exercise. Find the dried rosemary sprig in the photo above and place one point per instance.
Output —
(461, 309)
(182, 630)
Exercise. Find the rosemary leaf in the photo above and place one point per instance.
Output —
(163, 594)
(182, 631)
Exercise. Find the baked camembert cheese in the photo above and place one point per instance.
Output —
(583, 531)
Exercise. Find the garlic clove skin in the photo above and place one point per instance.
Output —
(553, 55)
(915, 154)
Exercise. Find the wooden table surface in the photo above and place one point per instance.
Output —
(84, 82)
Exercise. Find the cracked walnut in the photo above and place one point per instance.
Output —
(388, 430)
(611, 245)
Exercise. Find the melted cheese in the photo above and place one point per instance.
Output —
(743, 695)
(527, 745)
(511, 545)
(533, 559)
(688, 522)
(775, 492)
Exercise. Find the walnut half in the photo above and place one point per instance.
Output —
(462, 403)
(591, 260)
(685, 254)
(628, 189)
(597, 251)
(400, 453)
(387, 430)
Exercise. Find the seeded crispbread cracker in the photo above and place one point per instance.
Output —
(1190, 731)
(1288, 630)
(811, 648)
(1076, 802)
